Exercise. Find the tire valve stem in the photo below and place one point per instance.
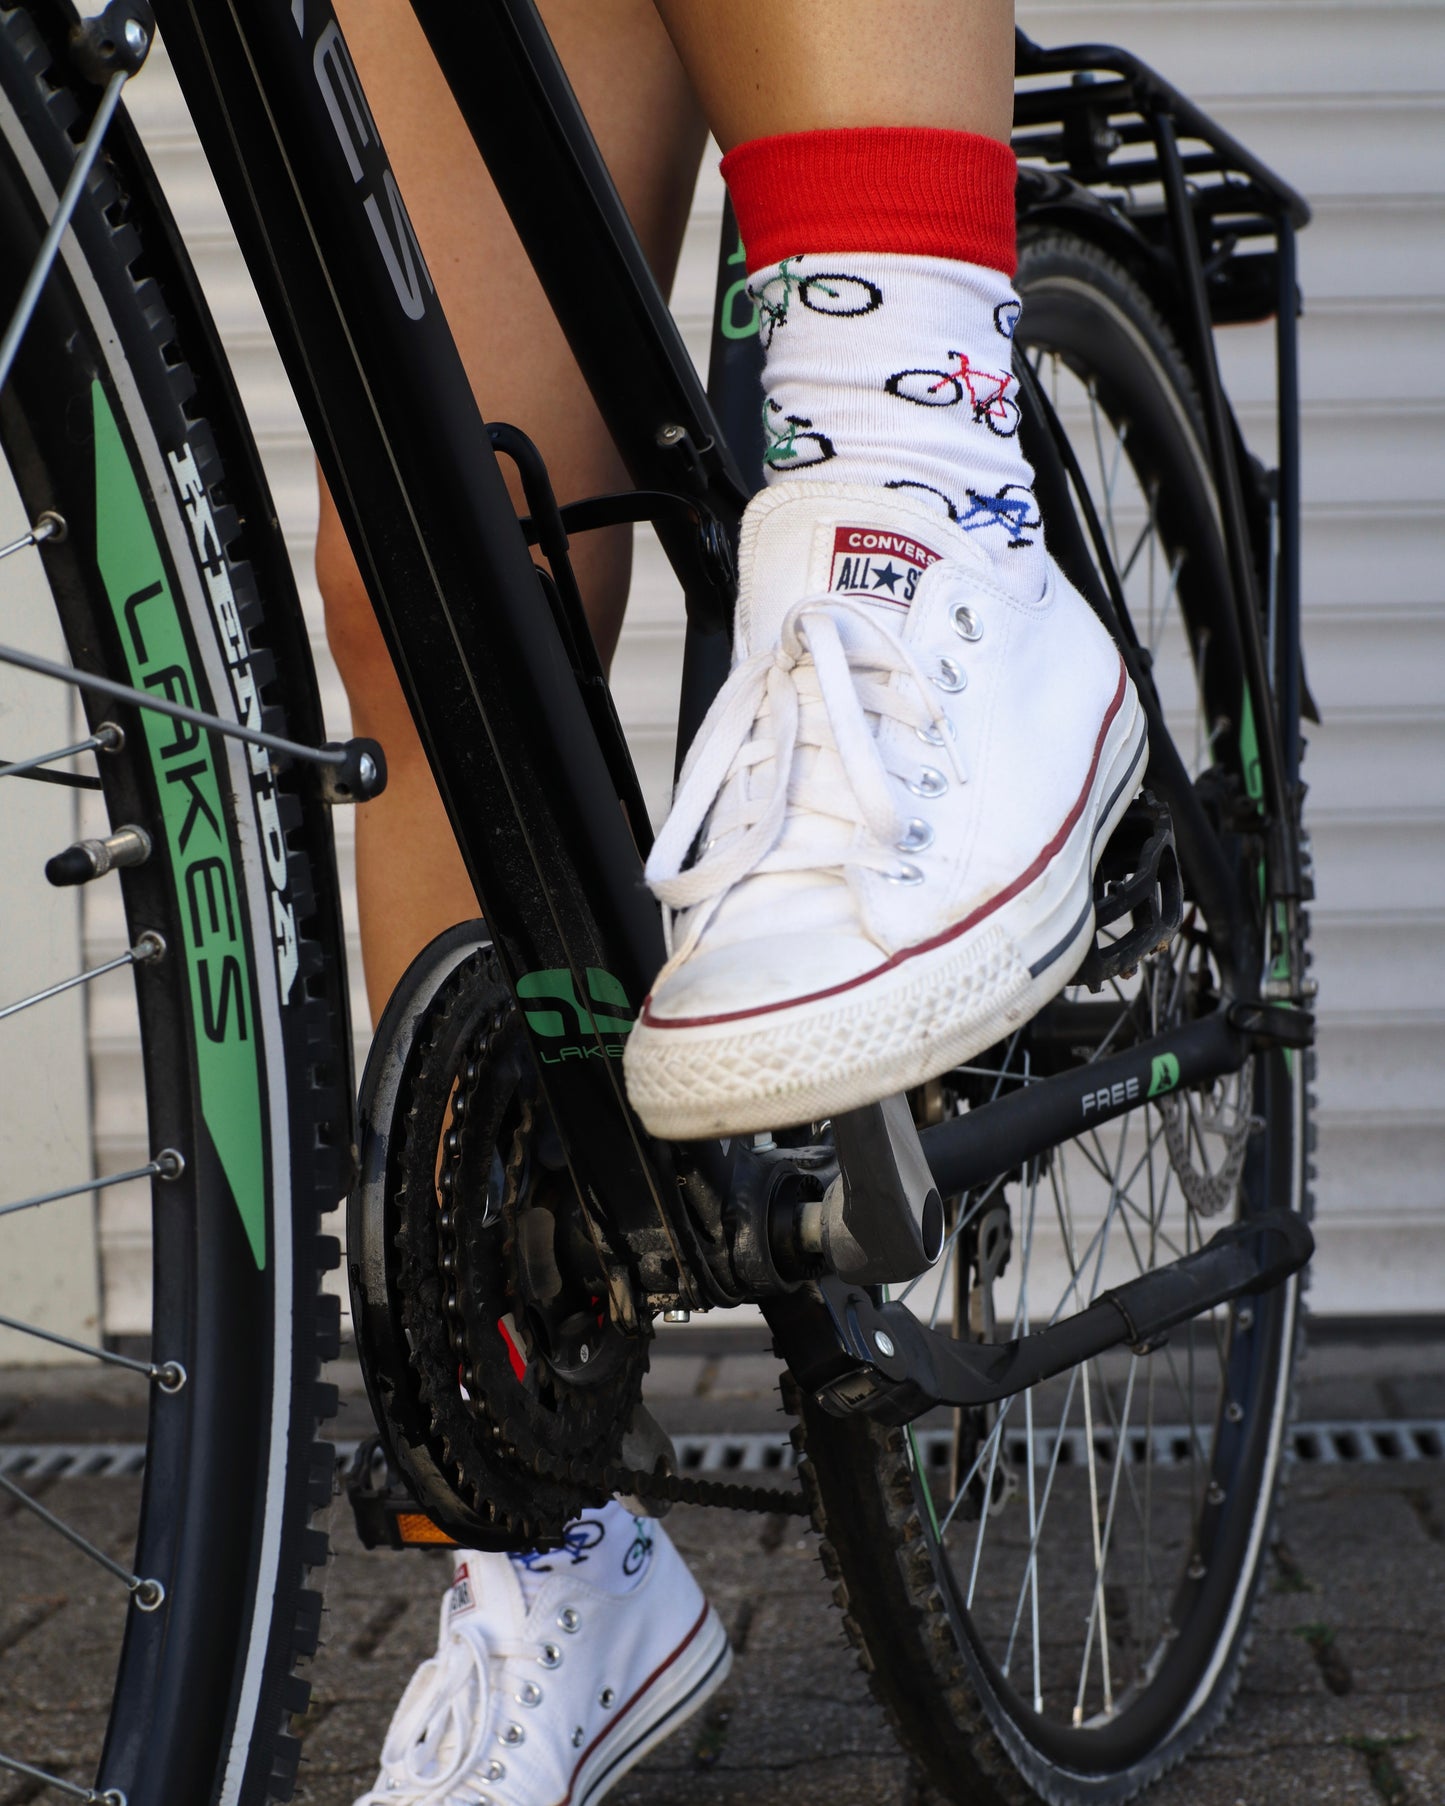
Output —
(89, 859)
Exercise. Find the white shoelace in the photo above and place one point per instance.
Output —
(435, 1744)
(814, 690)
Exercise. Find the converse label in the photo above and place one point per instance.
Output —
(461, 1598)
(878, 565)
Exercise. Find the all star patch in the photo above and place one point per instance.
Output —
(461, 1598)
(878, 565)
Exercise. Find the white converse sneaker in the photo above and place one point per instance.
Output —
(548, 1700)
(900, 796)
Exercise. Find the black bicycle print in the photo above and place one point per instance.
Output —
(987, 392)
(828, 292)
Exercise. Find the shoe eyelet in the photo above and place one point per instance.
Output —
(905, 874)
(605, 1698)
(495, 1771)
(529, 1694)
(569, 1619)
(511, 1734)
(950, 676)
(966, 623)
(930, 735)
(551, 1656)
(578, 1737)
(928, 783)
(917, 837)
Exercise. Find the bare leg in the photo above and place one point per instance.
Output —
(762, 68)
(410, 878)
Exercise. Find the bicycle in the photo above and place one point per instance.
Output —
(988, 400)
(791, 445)
(827, 292)
(507, 1217)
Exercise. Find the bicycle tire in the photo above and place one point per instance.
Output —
(926, 388)
(242, 1020)
(842, 296)
(937, 1624)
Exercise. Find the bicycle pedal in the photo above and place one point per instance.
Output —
(1137, 880)
(387, 1516)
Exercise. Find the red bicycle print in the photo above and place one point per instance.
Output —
(987, 392)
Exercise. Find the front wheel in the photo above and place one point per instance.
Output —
(1053, 1596)
(209, 959)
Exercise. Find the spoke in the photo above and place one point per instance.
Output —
(1158, 618)
(168, 1164)
(50, 245)
(1059, 1436)
(984, 1510)
(111, 1797)
(174, 711)
(1098, 1613)
(953, 1234)
(106, 738)
(170, 1376)
(1146, 536)
(149, 946)
(1093, 1465)
(49, 526)
(990, 1442)
(147, 1594)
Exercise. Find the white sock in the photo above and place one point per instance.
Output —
(610, 1549)
(895, 371)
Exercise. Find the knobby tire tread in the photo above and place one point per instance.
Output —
(120, 196)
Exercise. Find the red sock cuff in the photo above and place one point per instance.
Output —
(918, 190)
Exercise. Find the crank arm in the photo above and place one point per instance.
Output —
(857, 1356)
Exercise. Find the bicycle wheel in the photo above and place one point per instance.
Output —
(844, 296)
(1053, 1598)
(235, 1019)
(926, 388)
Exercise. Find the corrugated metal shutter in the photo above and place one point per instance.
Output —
(1346, 100)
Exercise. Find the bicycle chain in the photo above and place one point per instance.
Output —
(516, 1444)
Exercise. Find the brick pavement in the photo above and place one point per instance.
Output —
(1344, 1700)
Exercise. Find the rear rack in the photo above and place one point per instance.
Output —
(1096, 127)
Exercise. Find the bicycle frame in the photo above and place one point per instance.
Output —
(527, 766)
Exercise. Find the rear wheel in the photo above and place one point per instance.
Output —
(217, 1041)
(1053, 1597)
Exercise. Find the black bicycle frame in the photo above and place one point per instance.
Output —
(481, 645)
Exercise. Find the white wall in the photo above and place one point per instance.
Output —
(1347, 102)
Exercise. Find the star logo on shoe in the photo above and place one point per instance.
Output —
(881, 566)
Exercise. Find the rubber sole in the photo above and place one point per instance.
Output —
(916, 1018)
(680, 1689)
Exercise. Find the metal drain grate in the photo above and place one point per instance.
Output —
(1320, 1444)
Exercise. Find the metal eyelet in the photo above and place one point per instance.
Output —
(966, 623)
(495, 1771)
(950, 676)
(511, 1734)
(551, 1656)
(905, 874)
(928, 783)
(917, 837)
(605, 1698)
(578, 1737)
(530, 1694)
(930, 735)
(569, 1619)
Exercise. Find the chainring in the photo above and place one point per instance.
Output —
(474, 1176)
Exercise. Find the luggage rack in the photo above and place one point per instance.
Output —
(1211, 229)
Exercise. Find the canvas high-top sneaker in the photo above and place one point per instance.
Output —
(880, 858)
(554, 1674)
